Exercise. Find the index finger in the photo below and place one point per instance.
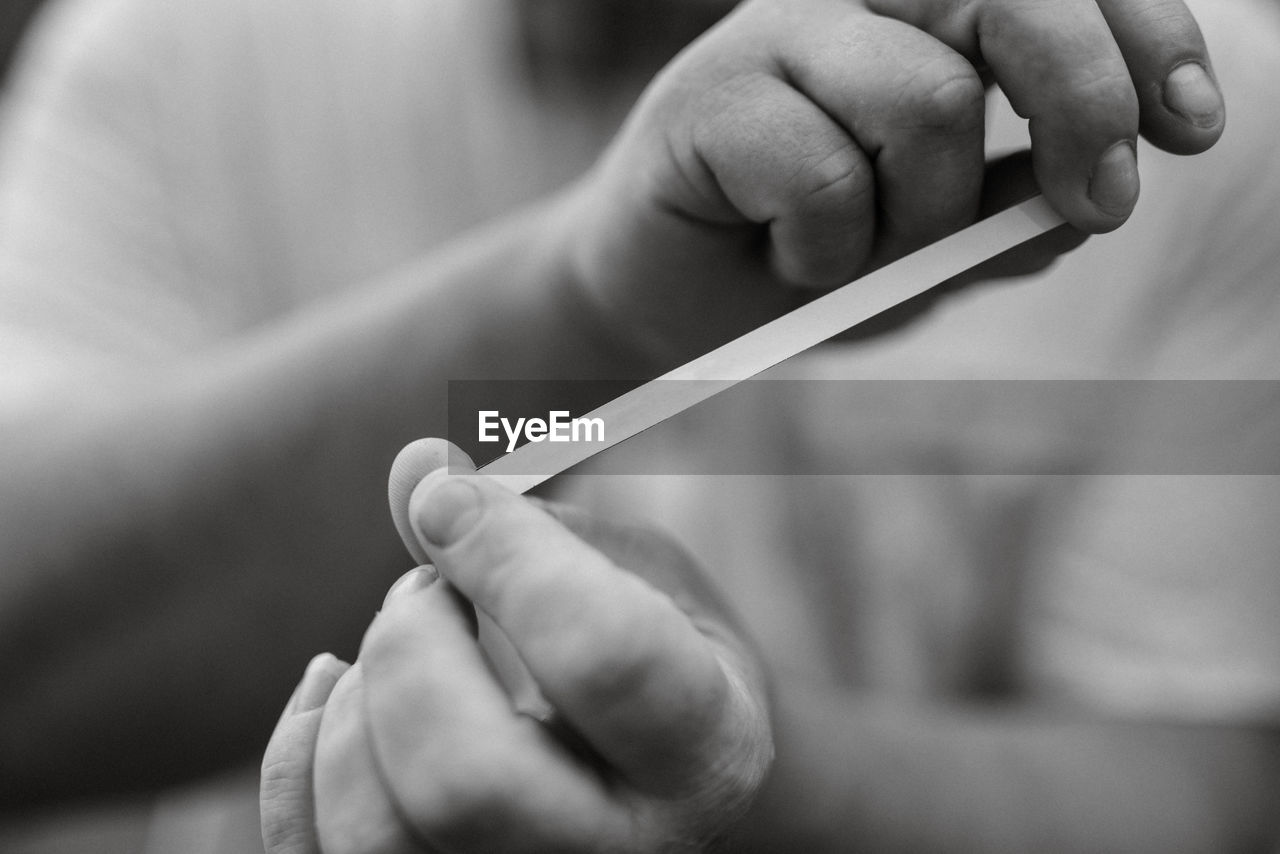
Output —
(1061, 67)
(1182, 110)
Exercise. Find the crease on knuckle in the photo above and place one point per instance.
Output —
(834, 177)
(497, 551)
(1108, 86)
(829, 193)
(1105, 97)
(945, 95)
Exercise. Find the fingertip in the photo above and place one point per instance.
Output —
(1114, 183)
(1182, 107)
(418, 578)
(317, 683)
(416, 461)
(1192, 93)
(1096, 196)
(1191, 114)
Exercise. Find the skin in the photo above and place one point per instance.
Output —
(763, 161)
(756, 132)
(666, 703)
(419, 749)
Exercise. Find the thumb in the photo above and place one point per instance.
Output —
(417, 460)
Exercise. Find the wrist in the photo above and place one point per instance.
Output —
(576, 294)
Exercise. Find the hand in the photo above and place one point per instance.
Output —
(800, 142)
(660, 736)
(1083, 71)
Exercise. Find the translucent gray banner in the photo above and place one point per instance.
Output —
(830, 427)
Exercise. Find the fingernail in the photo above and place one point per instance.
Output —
(1113, 187)
(448, 511)
(1190, 92)
(412, 581)
(314, 689)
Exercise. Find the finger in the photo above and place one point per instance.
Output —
(914, 106)
(615, 656)
(414, 462)
(354, 812)
(783, 163)
(1181, 105)
(464, 769)
(666, 566)
(1061, 68)
(285, 790)
(1009, 181)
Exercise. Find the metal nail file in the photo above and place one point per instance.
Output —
(780, 339)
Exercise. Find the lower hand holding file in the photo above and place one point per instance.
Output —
(660, 735)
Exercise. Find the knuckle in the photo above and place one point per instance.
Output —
(495, 557)
(944, 94)
(608, 656)
(1103, 102)
(1108, 88)
(721, 107)
(638, 667)
(1169, 23)
(953, 22)
(813, 248)
(614, 658)
(834, 178)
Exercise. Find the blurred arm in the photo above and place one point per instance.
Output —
(855, 774)
(178, 539)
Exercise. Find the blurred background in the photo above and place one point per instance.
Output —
(14, 16)
(220, 815)
(177, 821)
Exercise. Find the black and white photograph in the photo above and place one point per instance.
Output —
(640, 427)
